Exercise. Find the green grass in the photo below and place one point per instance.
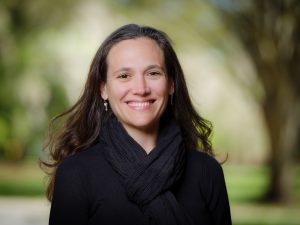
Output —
(22, 179)
(245, 184)
(249, 183)
(265, 214)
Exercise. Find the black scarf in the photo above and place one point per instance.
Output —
(148, 178)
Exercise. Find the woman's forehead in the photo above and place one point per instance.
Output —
(135, 52)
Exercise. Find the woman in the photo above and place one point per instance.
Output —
(127, 151)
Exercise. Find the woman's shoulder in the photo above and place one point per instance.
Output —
(82, 160)
(200, 159)
(206, 174)
(203, 164)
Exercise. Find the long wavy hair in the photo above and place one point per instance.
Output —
(79, 127)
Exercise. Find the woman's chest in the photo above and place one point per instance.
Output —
(110, 204)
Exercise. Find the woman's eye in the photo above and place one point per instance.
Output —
(154, 73)
(123, 76)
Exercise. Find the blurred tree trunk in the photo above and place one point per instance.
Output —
(270, 32)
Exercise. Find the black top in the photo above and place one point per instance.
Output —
(89, 192)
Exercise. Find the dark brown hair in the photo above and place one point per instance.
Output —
(82, 122)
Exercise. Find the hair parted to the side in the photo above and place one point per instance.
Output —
(83, 121)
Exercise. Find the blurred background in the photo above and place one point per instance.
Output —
(242, 64)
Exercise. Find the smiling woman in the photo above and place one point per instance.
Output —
(138, 88)
(133, 150)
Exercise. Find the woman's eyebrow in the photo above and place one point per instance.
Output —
(156, 66)
(126, 69)
(122, 69)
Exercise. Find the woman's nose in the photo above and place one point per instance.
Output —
(140, 86)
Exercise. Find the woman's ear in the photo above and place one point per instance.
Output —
(103, 91)
(171, 87)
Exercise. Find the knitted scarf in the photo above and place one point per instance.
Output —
(147, 178)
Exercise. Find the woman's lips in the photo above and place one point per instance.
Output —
(140, 105)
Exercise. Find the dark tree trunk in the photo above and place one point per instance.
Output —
(281, 120)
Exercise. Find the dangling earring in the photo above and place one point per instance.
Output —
(105, 106)
(171, 99)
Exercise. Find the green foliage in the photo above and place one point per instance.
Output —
(30, 92)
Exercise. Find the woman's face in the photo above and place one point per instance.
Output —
(137, 86)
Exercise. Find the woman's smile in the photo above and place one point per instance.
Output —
(140, 105)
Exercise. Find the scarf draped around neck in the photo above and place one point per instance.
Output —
(147, 178)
